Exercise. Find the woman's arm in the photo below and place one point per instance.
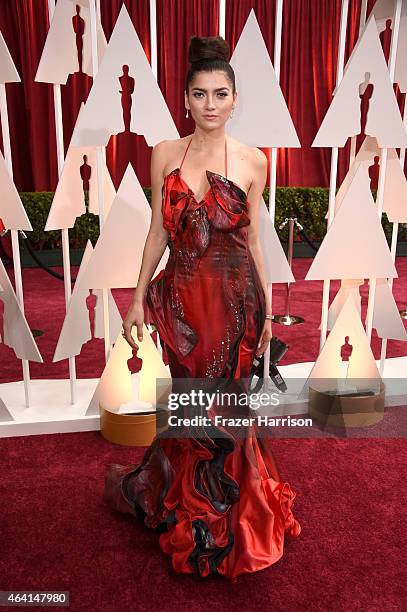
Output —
(254, 198)
(154, 246)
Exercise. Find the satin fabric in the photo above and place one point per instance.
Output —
(214, 495)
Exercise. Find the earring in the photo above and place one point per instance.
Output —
(231, 114)
(187, 115)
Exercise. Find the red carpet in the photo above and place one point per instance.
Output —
(45, 310)
(57, 533)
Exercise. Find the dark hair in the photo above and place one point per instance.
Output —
(208, 54)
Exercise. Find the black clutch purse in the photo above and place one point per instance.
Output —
(278, 349)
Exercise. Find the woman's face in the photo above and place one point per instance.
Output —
(210, 99)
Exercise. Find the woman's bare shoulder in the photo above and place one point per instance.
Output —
(259, 158)
(252, 154)
(166, 153)
(252, 157)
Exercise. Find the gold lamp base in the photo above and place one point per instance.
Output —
(287, 319)
(132, 429)
(345, 410)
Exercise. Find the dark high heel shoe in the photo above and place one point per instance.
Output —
(278, 349)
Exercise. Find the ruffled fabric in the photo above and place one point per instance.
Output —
(227, 210)
(224, 206)
(214, 511)
(214, 495)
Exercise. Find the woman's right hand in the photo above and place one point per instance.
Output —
(134, 316)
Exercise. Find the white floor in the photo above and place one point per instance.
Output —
(51, 411)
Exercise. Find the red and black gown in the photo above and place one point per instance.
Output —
(214, 495)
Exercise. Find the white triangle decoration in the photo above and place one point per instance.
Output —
(115, 385)
(117, 258)
(395, 189)
(400, 72)
(348, 287)
(275, 262)
(8, 71)
(115, 319)
(76, 330)
(343, 116)
(383, 10)
(135, 405)
(355, 245)
(103, 114)
(386, 316)
(328, 368)
(261, 117)
(12, 211)
(395, 186)
(17, 334)
(59, 56)
(365, 156)
(69, 200)
(5, 415)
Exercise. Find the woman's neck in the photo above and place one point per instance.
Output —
(208, 141)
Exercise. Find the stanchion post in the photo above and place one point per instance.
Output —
(287, 318)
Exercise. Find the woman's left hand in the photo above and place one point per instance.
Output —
(264, 338)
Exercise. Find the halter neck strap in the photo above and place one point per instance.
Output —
(190, 140)
(226, 157)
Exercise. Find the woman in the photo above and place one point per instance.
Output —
(214, 493)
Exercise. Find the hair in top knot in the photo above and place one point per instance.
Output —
(207, 54)
(208, 48)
